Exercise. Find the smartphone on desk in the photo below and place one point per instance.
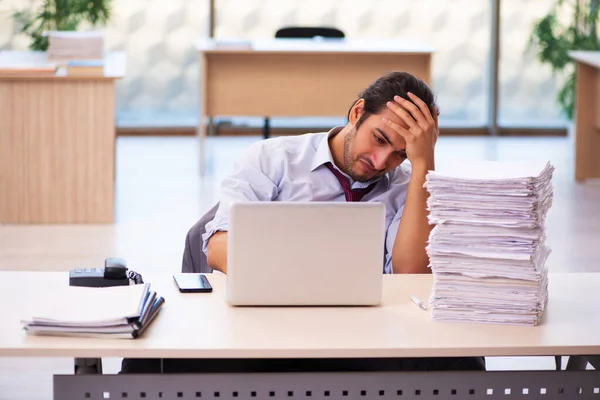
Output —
(192, 283)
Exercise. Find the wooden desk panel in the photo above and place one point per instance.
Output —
(297, 78)
(297, 85)
(202, 325)
(57, 151)
(57, 142)
(587, 115)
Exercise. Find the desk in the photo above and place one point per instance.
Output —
(297, 77)
(587, 114)
(57, 143)
(203, 326)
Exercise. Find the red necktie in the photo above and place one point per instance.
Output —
(351, 194)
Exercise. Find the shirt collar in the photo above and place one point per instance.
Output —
(323, 155)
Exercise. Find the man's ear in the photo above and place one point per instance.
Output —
(356, 111)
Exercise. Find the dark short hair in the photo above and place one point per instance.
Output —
(389, 85)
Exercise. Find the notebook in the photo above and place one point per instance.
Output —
(109, 312)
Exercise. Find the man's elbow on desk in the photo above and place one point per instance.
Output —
(216, 252)
(410, 268)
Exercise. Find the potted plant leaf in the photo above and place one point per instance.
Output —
(61, 15)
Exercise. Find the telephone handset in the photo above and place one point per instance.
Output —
(114, 273)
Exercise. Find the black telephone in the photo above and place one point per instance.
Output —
(114, 273)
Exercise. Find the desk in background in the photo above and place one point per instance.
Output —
(297, 77)
(201, 325)
(587, 114)
(57, 143)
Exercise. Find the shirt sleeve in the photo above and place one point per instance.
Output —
(398, 190)
(390, 238)
(254, 179)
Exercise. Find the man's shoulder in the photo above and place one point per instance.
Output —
(294, 141)
(290, 144)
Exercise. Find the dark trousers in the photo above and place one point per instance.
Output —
(154, 365)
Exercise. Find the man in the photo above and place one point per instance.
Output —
(394, 119)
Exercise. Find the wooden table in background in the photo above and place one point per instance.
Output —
(57, 143)
(587, 114)
(297, 77)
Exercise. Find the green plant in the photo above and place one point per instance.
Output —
(61, 15)
(554, 40)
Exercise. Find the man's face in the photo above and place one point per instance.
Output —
(372, 149)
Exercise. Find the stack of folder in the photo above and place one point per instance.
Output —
(109, 312)
(487, 250)
(85, 67)
(75, 45)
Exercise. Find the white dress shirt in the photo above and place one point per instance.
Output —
(292, 168)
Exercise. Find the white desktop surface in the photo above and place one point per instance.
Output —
(591, 58)
(200, 325)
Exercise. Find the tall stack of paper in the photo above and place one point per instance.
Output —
(487, 250)
(74, 45)
(108, 312)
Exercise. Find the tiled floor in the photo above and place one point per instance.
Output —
(159, 196)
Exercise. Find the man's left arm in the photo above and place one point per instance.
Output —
(409, 253)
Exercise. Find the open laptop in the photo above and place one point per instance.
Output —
(305, 253)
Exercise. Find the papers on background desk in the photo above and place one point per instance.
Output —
(75, 45)
(110, 312)
(487, 251)
(21, 63)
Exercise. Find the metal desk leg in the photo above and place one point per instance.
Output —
(267, 128)
(576, 363)
(594, 360)
(88, 366)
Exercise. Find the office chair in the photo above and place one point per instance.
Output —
(302, 32)
(307, 32)
(194, 259)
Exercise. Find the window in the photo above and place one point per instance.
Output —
(458, 29)
(159, 36)
(161, 83)
(526, 88)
